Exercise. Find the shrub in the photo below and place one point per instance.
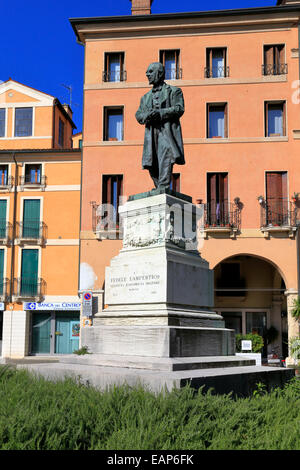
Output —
(36, 414)
(296, 309)
(80, 352)
(257, 342)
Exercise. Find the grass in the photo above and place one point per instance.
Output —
(39, 415)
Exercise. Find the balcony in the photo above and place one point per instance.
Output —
(222, 217)
(29, 289)
(216, 72)
(274, 69)
(173, 74)
(4, 289)
(278, 215)
(105, 220)
(31, 231)
(28, 182)
(6, 184)
(5, 232)
(114, 76)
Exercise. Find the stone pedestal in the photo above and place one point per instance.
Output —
(158, 290)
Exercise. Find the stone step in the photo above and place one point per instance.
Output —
(242, 381)
(157, 363)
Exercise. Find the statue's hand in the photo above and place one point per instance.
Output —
(153, 116)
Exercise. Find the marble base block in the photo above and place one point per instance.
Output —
(159, 290)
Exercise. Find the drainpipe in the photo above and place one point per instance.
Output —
(12, 268)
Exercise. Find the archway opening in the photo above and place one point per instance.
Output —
(249, 294)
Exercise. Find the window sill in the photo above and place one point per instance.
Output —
(30, 241)
(215, 230)
(279, 229)
(113, 234)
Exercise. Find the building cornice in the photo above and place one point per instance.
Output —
(111, 25)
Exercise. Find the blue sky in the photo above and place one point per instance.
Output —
(38, 46)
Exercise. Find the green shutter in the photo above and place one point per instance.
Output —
(29, 272)
(31, 218)
(1, 271)
(3, 206)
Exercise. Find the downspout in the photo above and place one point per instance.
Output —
(81, 165)
(53, 124)
(12, 268)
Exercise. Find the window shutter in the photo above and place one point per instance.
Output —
(284, 118)
(212, 188)
(274, 186)
(226, 120)
(269, 54)
(1, 269)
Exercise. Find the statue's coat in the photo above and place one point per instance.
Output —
(172, 108)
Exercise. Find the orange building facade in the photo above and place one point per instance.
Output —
(239, 73)
(39, 224)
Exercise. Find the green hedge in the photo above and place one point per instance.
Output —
(40, 415)
(257, 342)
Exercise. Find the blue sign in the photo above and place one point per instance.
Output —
(52, 306)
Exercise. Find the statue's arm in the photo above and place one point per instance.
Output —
(142, 113)
(177, 108)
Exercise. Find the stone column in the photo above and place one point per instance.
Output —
(293, 325)
(16, 324)
(275, 321)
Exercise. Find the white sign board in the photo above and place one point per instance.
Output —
(65, 306)
(87, 304)
(246, 345)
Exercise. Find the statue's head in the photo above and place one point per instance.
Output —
(155, 73)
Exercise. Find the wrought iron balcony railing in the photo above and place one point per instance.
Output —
(4, 283)
(274, 69)
(5, 231)
(173, 74)
(29, 181)
(31, 231)
(278, 213)
(120, 76)
(29, 288)
(216, 72)
(6, 183)
(222, 215)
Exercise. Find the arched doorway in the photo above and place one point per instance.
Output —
(249, 294)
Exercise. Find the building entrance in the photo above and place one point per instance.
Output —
(55, 332)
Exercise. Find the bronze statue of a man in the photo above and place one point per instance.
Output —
(160, 110)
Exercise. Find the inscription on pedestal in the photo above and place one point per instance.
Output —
(134, 287)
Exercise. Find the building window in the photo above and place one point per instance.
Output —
(61, 133)
(175, 182)
(3, 175)
(274, 60)
(275, 119)
(170, 60)
(31, 219)
(217, 208)
(217, 121)
(80, 143)
(229, 278)
(114, 67)
(216, 63)
(29, 273)
(3, 215)
(33, 174)
(2, 122)
(112, 190)
(113, 124)
(276, 210)
(23, 122)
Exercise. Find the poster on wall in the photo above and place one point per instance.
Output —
(74, 329)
